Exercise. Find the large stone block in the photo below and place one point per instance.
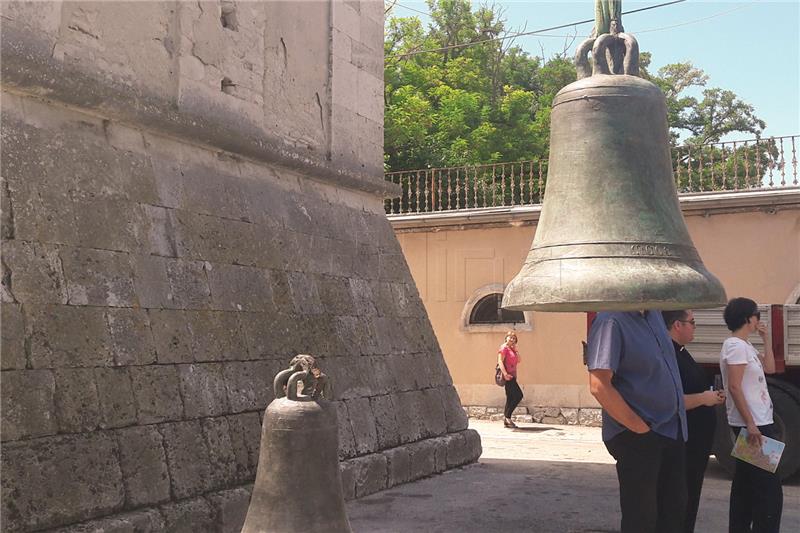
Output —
(347, 440)
(409, 425)
(304, 293)
(144, 521)
(188, 283)
(12, 332)
(398, 465)
(68, 336)
(98, 277)
(423, 458)
(115, 397)
(218, 336)
(144, 465)
(245, 432)
(33, 272)
(172, 336)
(433, 414)
(239, 288)
(363, 423)
(270, 334)
(249, 384)
(203, 390)
(156, 389)
(370, 474)
(131, 337)
(76, 399)
(222, 459)
(28, 406)
(150, 280)
(230, 509)
(78, 477)
(187, 458)
(386, 426)
(457, 419)
(109, 223)
(211, 191)
(188, 516)
(336, 295)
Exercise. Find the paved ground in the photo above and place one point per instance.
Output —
(557, 479)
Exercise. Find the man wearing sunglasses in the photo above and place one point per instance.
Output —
(699, 399)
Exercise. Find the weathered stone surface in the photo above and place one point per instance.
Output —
(188, 516)
(570, 415)
(249, 384)
(223, 461)
(269, 334)
(98, 277)
(131, 337)
(123, 222)
(230, 509)
(172, 336)
(239, 288)
(398, 466)
(144, 521)
(245, 432)
(432, 413)
(216, 336)
(558, 420)
(156, 389)
(455, 416)
(33, 272)
(386, 428)
(347, 440)
(408, 410)
(77, 475)
(188, 458)
(363, 423)
(77, 404)
(144, 465)
(28, 406)
(13, 337)
(370, 474)
(347, 471)
(188, 284)
(203, 390)
(151, 282)
(590, 417)
(68, 336)
(304, 293)
(423, 461)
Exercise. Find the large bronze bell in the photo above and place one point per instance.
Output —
(611, 235)
(298, 486)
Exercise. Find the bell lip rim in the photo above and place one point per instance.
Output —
(597, 307)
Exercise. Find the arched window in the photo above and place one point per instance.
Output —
(488, 311)
(482, 312)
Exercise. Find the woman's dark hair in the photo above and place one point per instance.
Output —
(738, 312)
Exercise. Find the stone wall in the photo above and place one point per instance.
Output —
(171, 240)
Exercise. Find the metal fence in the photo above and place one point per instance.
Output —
(747, 165)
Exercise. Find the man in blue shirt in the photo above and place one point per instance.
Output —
(634, 376)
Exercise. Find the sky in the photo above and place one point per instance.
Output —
(750, 48)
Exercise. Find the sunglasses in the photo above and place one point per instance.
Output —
(692, 322)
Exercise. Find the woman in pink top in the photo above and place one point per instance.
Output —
(508, 359)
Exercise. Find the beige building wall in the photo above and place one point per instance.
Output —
(755, 252)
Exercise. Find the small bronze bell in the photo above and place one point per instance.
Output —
(611, 235)
(298, 486)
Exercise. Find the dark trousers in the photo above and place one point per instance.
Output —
(652, 482)
(756, 496)
(513, 397)
(696, 462)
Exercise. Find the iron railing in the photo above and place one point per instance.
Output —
(751, 164)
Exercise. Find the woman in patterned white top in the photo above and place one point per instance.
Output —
(756, 500)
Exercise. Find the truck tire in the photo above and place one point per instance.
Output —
(786, 414)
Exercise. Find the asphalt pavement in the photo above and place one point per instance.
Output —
(537, 478)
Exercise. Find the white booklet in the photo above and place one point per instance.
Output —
(766, 456)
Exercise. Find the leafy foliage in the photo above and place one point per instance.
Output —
(464, 105)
